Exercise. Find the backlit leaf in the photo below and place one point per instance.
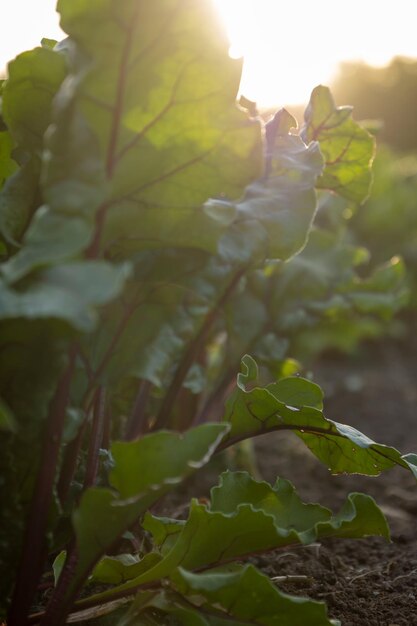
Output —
(348, 149)
(160, 99)
(341, 447)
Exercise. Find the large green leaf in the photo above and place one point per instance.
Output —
(342, 448)
(157, 90)
(247, 517)
(260, 521)
(348, 149)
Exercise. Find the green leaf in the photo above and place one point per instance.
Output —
(69, 292)
(172, 138)
(247, 596)
(34, 78)
(58, 564)
(135, 470)
(342, 448)
(348, 149)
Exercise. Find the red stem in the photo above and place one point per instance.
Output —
(34, 543)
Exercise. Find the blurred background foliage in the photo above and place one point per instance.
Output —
(384, 100)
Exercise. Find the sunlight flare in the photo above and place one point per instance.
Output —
(289, 49)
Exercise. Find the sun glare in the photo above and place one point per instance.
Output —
(289, 48)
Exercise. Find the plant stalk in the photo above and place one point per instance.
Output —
(34, 542)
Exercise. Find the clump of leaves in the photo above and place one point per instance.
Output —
(146, 222)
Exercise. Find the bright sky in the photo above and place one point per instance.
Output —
(289, 47)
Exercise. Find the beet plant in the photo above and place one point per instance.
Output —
(150, 231)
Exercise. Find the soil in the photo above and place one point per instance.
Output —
(366, 582)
